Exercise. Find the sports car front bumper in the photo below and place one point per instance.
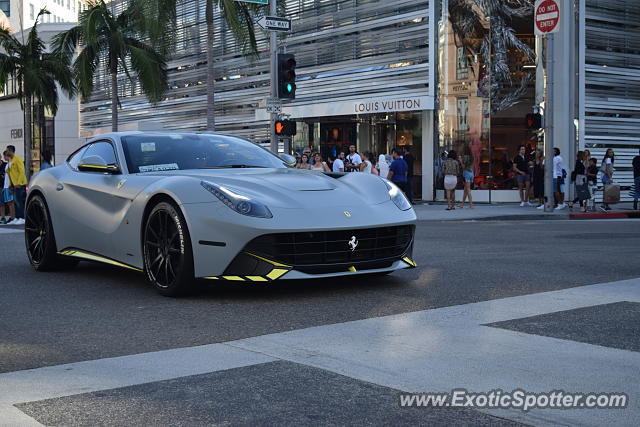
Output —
(219, 236)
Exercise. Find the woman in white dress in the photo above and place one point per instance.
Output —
(382, 166)
(319, 165)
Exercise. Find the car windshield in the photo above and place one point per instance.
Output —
(162, 152)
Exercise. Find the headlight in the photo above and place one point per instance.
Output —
(397, 196)
(239, 203)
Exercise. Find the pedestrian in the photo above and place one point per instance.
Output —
(7, 195)
(466, 164)
(410, 160)
(579, 177)
(558, 179)
(304, 162)
(606, 174)
(18, 182)
(382, 166)
(592, 181)
(319, 165)
(366, 166)
(636, 180)
(451, 173)
(307, 151)
(521, 169)
(3, 166)
(46, 160)
(538, 177)
(338, 163)
(353, 160)
(398, 171)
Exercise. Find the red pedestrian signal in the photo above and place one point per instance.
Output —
(534, 121)
(285, 127)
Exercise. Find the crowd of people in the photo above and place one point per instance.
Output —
(584, 177)
(14, 190)
(528, 173)
(396, 167)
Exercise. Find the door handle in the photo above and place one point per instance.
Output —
(59, 187)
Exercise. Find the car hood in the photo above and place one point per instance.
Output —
(293, 188)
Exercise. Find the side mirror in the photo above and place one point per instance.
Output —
(288, 159)
(97, 164)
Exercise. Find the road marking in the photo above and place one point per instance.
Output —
(430, 350)
(447, 348)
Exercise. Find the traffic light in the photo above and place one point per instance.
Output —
(285, 127)
(286, 76)
(534, 121)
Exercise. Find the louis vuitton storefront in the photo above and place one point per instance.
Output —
(373, 125)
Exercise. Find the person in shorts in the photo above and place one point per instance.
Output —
(7, 195)
(451, 172)
(521, 168)
(466, 163)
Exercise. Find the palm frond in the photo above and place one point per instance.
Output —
(150, 67)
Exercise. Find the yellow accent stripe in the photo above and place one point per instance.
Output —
(277, 264)
(409, 261)
(276, 273)
(212, 278)
(257, 279)
(234, 278)
(352, 269)
(92, 257)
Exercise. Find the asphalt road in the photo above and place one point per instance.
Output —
(96, 311)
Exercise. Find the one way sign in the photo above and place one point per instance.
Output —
(275, 23)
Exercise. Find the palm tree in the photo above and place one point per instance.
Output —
(119, 42)
(158, 21)
(37, 73)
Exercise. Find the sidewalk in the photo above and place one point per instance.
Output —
(509, 211)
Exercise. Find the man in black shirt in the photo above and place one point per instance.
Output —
(636, 181)
(409, 159)
(521, 168)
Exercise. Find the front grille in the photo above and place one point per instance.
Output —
(327, 251)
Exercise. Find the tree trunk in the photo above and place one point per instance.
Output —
(114, 101)
(28, 134)
(211, 119)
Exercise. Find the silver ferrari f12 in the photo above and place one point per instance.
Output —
(185, 206)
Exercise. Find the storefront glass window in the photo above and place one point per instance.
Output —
(486, 87)
(371, 133)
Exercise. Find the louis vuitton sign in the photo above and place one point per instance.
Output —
(375, 105)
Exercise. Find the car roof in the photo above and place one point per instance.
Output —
(118, 135)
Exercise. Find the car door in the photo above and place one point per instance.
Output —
(85, 205)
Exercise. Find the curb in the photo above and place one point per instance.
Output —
(606, 215)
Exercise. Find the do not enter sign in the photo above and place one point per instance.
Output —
(547, 17)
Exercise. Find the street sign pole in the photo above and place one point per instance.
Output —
(273, 48)
(548, 128)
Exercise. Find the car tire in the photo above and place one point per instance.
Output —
(39, 237)
(167, 252)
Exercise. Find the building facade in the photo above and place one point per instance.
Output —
(22, 13)
(434, 75)
(59, 135)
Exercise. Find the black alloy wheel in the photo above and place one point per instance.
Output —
(168, 257)
(38, 235)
